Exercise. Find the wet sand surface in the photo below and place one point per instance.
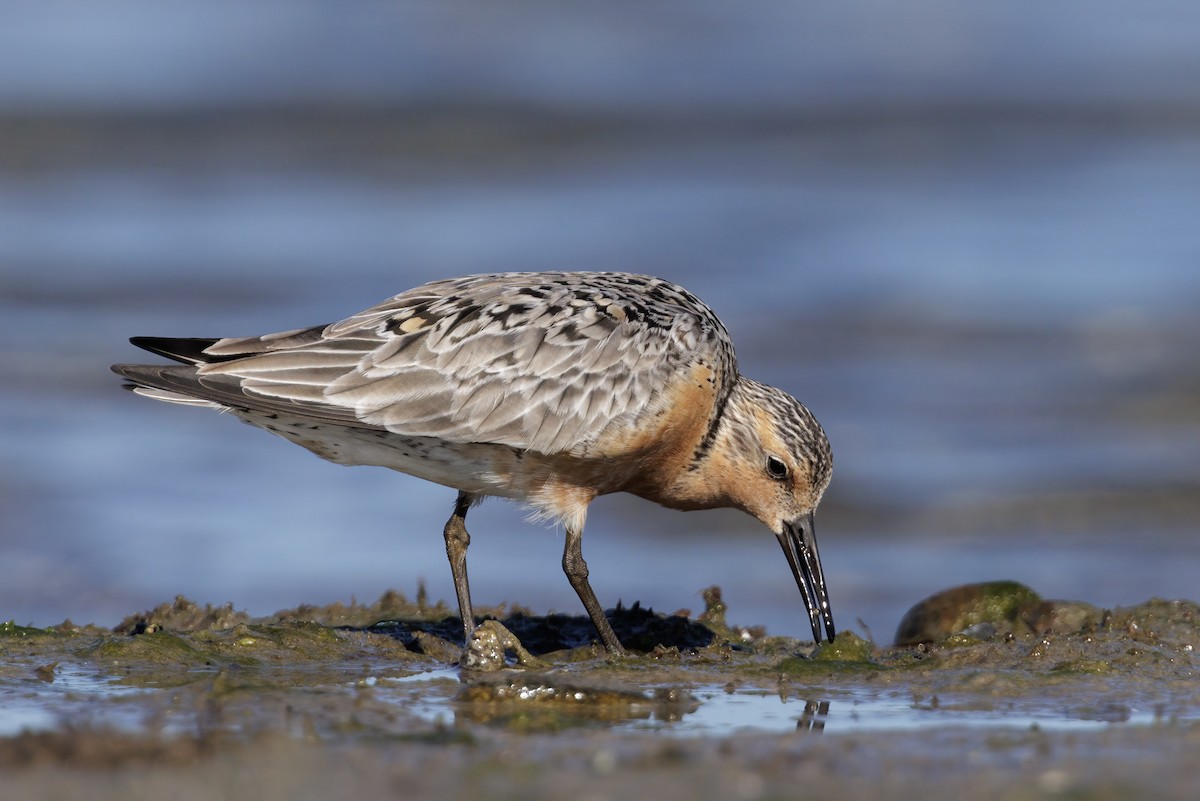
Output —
(1013, 697)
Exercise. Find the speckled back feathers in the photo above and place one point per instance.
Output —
(537, 361)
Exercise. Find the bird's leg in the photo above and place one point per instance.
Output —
(577, 573)
(457, 540)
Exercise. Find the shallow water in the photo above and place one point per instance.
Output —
(75, 696)
(84, 697)
(978, 267)
(718, 710)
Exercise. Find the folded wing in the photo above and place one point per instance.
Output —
(536, 361)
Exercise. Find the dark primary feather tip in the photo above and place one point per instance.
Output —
(188, 350)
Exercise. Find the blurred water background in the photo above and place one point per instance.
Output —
(964, 234)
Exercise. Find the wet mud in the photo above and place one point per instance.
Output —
(1000, 694)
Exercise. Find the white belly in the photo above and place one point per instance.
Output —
(468, 467)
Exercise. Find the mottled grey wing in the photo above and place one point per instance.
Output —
(536, 361)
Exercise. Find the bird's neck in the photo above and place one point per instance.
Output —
(704, 482)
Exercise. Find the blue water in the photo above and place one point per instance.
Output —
(964, 237)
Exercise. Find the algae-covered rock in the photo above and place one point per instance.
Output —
(949, 612)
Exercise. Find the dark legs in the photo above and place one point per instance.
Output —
(457, 540)
(577, 573)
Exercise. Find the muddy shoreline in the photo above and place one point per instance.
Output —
(202, 702)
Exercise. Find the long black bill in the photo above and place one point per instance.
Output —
(799, 541)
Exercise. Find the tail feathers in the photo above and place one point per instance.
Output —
(182, 384)
(165, 383)
(173, 397)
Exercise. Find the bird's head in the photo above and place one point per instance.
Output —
(777, 464)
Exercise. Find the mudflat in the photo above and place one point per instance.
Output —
(999, 694)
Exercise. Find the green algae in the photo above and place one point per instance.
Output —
(155, 648)
(806, 667)
(10, 628)
(846, 647)
(1097, 667)
(243, 644)
(848, 654)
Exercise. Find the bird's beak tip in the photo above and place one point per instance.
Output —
(799, 543)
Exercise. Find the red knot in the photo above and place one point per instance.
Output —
(547, 388)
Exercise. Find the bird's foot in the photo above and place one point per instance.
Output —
(489, 646)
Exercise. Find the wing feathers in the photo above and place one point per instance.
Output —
(536, 361)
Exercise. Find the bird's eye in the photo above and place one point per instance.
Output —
(776, 468)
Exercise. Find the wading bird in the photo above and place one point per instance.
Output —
(546, 388)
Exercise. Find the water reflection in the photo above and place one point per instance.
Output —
(859, 710)
(813, 718)
(551, 701)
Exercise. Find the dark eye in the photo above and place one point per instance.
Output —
(776, 469)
